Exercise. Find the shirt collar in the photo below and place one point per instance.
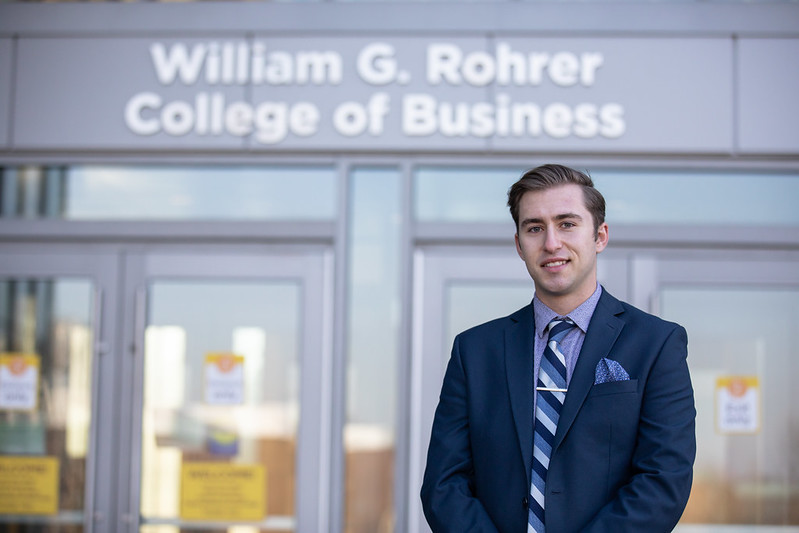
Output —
(581, 315)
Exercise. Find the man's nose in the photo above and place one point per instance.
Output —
(553, 241)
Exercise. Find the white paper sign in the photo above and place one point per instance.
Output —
(224, 379)
(19, 381)
(737, 404)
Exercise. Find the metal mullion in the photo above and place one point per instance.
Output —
(90, 511)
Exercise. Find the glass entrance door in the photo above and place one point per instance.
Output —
(741, 315)
(164, 390)
(54, 334)
(741, 311)
(454, 289)
(231, 391)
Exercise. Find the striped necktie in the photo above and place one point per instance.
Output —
(551, 390)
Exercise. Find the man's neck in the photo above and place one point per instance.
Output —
(566, 304)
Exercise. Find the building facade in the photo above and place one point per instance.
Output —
(237, 240)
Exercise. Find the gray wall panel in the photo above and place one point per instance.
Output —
(588, 17)
(512, 95)
(673, 91)
(676, 95)
(5, 90)
(768, 101)
(72, 94)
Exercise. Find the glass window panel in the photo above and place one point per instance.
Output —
(744, 474)
(46, 347)
(720, 198)
(206, 192)
(471, 303)
(221, 399)
(453, 194)
(373, 346)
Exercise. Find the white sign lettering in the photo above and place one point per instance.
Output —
(446, 63)
(239, 64)
(425, 108)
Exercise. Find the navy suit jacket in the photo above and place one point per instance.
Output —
(623, 455)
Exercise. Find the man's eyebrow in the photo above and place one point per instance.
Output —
(564, 216)
(528, 221)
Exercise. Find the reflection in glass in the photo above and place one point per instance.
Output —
(465, 194)
(46, 346)
(684, 198)
(462, 194)
(743, 475)
(373, 347)
(220, 388)
(170, 192)
(471, 303)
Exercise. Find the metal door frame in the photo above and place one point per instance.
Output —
(99, 264)
(313, 267)
(632, 273)
(434, 268)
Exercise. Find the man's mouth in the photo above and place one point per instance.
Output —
(556, 263)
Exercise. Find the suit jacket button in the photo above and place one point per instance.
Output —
(524, 502)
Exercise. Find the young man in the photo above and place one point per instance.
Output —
(583, 425)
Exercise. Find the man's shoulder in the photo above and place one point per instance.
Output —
(498, 325)
(632, 314)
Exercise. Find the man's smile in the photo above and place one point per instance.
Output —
(555, 263)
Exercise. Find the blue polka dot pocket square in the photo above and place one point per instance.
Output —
(608, 371)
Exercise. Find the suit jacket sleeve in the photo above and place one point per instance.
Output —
(448, 497)
(657, 491)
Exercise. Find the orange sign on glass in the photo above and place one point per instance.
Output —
(738, 404)
(224, 379)
(19, 381)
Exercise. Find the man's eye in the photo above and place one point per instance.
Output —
(568, 225)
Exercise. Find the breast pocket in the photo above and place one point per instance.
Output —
(614, 387)
(610, 417)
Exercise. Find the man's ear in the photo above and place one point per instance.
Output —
(602, 237)
(518, 245)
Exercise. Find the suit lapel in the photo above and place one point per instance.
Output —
(519, 337)
(602, 333)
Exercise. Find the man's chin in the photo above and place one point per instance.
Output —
(555, 283)
(552, 290)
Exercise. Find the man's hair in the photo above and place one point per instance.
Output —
(549, 176)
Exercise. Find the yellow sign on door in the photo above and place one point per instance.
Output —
(28, 485)
(223, 492)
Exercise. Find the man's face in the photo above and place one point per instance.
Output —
(557, 242)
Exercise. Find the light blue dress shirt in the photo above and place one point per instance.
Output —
(573, 341)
